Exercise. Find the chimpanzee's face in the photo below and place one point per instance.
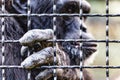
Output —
(71, 27)
(67, 6)
(68, 27)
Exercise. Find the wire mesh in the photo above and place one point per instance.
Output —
(29, 28)
(54, 15)
(107, 38)
(81, 53)
(54, 29)
(3, 39)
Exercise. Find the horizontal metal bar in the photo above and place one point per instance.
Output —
(83, 40)
(59, 15)
(9, 41)
(10, 67)
(67, 40)
(76, 66)
(56, 67)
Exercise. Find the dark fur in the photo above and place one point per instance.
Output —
(67, 27)
(13, 31)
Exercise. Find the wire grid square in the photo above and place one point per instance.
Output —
(106, 40)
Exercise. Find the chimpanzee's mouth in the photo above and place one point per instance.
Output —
(75, 48)
(75, 44)
(84, 45)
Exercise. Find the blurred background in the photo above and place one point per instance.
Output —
(97, 26)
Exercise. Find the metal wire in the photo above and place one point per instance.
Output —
(29, 28)
(107, 39)
(81, 53)
(60, 67)
(59, 15)
(54, 29)
(67, 40)
(3, 39)
(54, 15)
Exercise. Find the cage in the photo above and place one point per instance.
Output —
(103, 22)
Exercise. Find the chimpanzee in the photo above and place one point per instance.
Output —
(67, 53)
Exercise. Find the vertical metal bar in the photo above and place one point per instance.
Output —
(3, 39)
(54, 29)
(28, 15)
(107, 40)
(81, 53)
(29, 27)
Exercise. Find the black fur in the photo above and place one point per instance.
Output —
(67, 28)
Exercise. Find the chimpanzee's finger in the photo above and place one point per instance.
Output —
(24, 50)
(45, 56)
(45, 75)
(62, 74)
(36, 35)
(48, 74)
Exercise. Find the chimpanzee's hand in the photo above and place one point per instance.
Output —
(45, 55)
